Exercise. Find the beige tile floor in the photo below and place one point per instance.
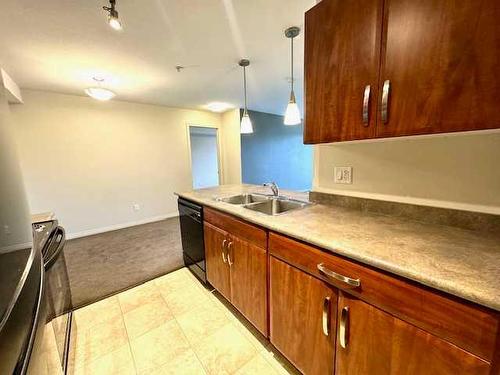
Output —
(170, 325)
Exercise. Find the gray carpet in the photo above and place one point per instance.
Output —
(107, 263)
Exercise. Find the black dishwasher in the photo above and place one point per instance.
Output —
(193, 246)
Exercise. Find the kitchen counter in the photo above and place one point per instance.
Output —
(461, 262)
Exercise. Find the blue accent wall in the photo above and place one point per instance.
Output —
(275, 152)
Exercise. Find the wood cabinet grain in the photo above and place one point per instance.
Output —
(249, 281)
(237, 264)
(296, 318)
(442, 60)
(217, 270)
(379, 343)
(342, 53)
(467, 325)
(438, 60)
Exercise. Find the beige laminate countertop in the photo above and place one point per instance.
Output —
(457, 261)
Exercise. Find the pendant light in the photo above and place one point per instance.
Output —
(113, 19)
(292, 114)
(98, 92)
(246, 125)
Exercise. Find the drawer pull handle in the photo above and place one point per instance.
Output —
(366, 105)
(344, 327)
(229, 247)
(385, 101)
(353, 283)
(326, 316)
(223, 251)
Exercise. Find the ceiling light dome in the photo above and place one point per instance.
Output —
(98, 92)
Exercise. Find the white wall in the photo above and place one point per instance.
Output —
(89, 161)
(458, 171)
(231, 147)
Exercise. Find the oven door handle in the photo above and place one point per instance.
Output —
(60, 240)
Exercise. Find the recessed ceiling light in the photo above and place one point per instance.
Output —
(98, 92)
(218, 106)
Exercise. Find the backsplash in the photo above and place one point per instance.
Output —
(434, 215)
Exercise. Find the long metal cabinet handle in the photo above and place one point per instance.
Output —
(385, 100)
(326, 316)
(223, 251)
(366, 105)
(229, 247)
(344, 327)
(352, 283)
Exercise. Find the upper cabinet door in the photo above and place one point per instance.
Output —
(342, 58)
(371, 341)
(441, 62)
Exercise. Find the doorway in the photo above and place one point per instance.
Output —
(205, 165)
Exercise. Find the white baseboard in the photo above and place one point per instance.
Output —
(411, 200)
(110, 228)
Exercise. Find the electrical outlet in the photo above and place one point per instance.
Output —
(136, 206)
(6, 229)
(343, 175)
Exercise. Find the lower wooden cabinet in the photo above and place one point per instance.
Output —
(249, 281)
(329, 315)
(216, 260)
(302, 318)
(374, 342)
(237, 268)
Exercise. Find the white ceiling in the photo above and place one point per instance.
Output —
(59, 45)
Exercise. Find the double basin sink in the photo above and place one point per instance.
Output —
(266, 204)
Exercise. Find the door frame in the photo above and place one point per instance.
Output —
(219, 148)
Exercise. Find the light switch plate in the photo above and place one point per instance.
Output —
(343, 175)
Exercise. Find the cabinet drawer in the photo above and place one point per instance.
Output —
(241, 229)
(468, 326)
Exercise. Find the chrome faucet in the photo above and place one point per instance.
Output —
(274, 188)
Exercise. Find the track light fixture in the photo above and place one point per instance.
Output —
(113, 19)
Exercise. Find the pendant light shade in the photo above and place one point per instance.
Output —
(292, 114)
(246, 126)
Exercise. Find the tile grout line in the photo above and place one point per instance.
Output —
(187, 340)
(191, 347)
(183, 333)
(128, 337)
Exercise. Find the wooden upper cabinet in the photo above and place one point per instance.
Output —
(371, 341)
(342, 58)
(218, 273)
(442, 59)
(248, 264)
(433, 67)
(302, 318)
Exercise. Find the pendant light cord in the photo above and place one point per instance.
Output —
(291, 60)
(245, 85)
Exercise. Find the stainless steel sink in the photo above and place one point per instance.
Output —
(244, 198)
(276, 206)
